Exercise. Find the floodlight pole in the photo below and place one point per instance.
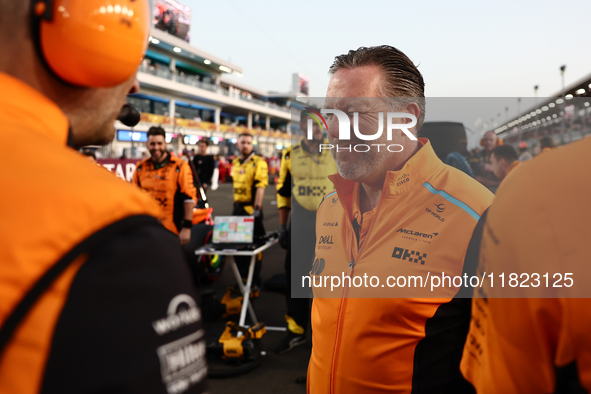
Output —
(536, 104)
(562, 68)
(519, 114)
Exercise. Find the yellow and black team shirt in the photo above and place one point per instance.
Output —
(93, 328)
(247, 176)
(535, 227)
(307, 180)
(170, 184)
(366, 340)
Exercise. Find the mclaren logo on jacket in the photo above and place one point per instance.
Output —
(417, 233)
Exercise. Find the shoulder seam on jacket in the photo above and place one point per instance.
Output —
(325, 197)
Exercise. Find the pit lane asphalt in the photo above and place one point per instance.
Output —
(276, 373)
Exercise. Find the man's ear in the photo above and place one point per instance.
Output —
(505, 163)
(413, 109)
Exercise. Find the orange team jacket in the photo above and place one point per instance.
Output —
(538, 225)
(55, 209)
(170, 185)
(393, 339)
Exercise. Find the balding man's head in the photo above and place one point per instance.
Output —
(489, 141)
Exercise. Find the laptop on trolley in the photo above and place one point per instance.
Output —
(233, 232)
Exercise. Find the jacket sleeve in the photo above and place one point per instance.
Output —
(186, 184)
(261, 174)
(284, 182)
(115, 334)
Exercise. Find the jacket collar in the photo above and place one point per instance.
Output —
(22, 105)
(421, 167)
(247, 158)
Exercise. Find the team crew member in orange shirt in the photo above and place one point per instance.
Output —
(90, 281)
(539, 342)
(396, 213)
(170, 182)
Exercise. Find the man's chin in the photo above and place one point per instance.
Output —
(101, 137)
(108, 136)
(352, 171)
(157, 156)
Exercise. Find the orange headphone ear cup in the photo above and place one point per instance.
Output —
(482, 142)
(93, 43)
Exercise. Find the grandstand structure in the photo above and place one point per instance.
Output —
(565, 116)
(194, 95)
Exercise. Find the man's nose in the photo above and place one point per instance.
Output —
(333, 128)
(135, 88)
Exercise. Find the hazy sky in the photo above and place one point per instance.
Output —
(463, 48)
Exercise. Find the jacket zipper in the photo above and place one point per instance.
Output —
(342, 307)
(343, 304)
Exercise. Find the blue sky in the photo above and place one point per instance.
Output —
(463, 48)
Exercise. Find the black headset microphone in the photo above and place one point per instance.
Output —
(129, 115)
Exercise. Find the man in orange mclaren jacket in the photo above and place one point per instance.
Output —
(397, 213)
(95, 295)
(169, 180)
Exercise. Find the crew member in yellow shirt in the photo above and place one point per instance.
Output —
(250, 175)
(303, 182)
